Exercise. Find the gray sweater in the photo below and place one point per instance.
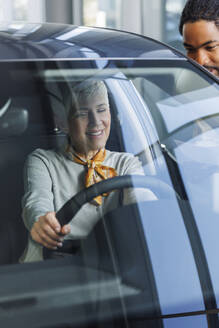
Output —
(51, 179)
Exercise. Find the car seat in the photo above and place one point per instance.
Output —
(17, 140)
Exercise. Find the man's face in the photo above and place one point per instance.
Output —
(201, 41)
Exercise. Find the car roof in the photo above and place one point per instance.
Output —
(28, 41)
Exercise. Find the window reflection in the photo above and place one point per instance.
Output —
(172, 14)
(22, 10)
(102, 13)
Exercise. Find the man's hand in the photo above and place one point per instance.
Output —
(47, 231)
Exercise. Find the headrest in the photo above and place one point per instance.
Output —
(13, 120)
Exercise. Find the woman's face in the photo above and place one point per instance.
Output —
(89, 126)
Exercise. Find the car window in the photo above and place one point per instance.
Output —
(147, 257)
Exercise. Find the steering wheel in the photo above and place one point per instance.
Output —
(73, 205)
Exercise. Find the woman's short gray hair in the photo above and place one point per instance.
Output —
(84, 91)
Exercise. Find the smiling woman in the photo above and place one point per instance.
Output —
(54, 176)
(89, 118)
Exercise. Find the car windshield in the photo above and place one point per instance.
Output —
(145, 258)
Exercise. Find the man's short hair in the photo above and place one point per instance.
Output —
(196, 10)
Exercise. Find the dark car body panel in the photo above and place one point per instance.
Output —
(35, 41)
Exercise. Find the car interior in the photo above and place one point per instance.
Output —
(29, 120)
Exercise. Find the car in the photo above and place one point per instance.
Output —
(152, 263)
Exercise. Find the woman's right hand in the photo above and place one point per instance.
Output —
(48, 232)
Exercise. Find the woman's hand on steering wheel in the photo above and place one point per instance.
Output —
(48, 232)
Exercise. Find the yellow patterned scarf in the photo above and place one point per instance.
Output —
(96, 171)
